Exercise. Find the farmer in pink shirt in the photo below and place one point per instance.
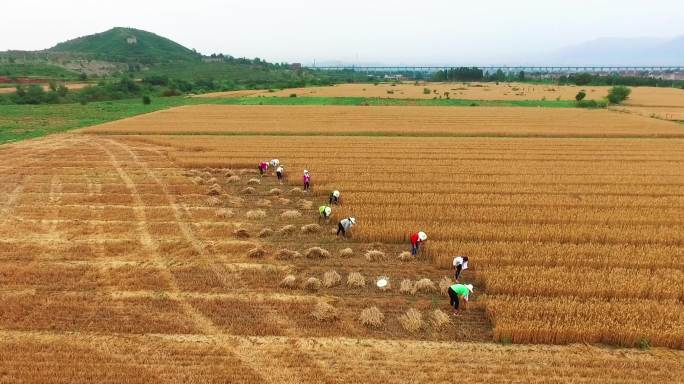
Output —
(263, 167)
(307, 180)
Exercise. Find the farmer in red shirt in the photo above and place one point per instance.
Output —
(416, 240)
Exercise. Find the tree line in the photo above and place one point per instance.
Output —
(477, 74)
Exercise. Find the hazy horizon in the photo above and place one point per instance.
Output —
(429, 32)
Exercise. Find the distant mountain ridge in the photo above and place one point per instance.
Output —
(126, 45)
(622, 51)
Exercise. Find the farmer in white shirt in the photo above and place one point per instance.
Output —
(280, 172)
(345, 225)
(460, 263)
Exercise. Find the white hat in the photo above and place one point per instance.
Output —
(470, 287)
(382, 282)
(328, 211)
(305, 171)
(422, 236)
(336, 193)
(353, 220)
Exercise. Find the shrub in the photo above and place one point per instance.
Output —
(355, 279)
(311, 228)
(312, 284)
(424, 286)
(324, 312)
(224, 213)
(256, 214)
(406, 286)
(371, 317)
(426, 91)
(346, 252)
(618, 94)
(317, 253)
(290, 281)
(591, 104)
(286, 254)
(287, 230)
(266, 232)
(290, 214)
(374, 255)
(293, 95)
(580, 95)
(146, 100)
(439, 319)
(644, 343)
(412, 320)
(331, 279)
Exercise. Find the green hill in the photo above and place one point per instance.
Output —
(126, 45)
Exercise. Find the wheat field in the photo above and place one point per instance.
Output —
(392, 121)
(130, 254)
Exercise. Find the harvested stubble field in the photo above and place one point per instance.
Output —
(640, 96)
(466, 91)
(131, 258)
(390, 121)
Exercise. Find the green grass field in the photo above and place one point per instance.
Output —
(314, 100)
(19, 122)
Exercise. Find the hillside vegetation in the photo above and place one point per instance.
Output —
(127, 45)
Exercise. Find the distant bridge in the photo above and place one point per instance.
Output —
(492, 69)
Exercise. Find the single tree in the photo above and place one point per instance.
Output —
(618, 94)
(580, 95)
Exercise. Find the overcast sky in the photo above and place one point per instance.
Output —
(383, 31)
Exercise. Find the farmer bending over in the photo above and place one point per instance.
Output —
(345, 225)
(324, 213)
(460, 263)
(280, 172)
(263, 167)
(334, 197)
(416, 240)
(457, 291)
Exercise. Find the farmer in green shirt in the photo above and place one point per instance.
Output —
(324, 213)
(457, 291)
